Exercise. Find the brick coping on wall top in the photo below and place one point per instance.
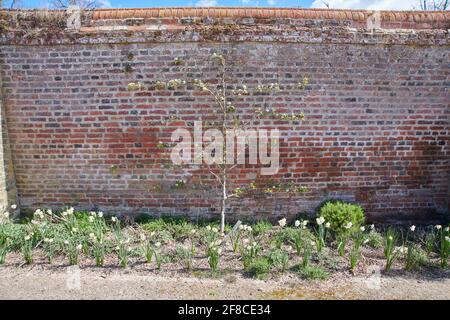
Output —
(290, 13)
(252, 12)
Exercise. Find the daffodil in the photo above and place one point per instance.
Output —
(320, 220)
(282, 222)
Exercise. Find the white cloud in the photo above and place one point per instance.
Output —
(271, 2)
(250, 3)
(367, 4)
(206, 3)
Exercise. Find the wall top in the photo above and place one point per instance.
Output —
(223, 24)
(289, 13)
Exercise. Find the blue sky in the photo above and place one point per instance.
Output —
(336, 4)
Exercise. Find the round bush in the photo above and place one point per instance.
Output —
(339, 214)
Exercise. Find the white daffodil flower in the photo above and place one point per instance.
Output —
(320, 220)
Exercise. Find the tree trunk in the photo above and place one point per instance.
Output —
(224, 201)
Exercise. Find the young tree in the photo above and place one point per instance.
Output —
(434, 5)
(232, 121)
(11, 4)
(84, 4)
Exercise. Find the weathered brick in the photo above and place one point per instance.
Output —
(376, 129)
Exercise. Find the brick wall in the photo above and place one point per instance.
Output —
(377, 127)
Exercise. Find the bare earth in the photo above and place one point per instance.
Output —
(46, 282)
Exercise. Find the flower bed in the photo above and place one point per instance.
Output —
(309, 249)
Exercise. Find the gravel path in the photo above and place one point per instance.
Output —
(44, 282)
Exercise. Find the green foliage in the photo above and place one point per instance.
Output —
(76, 234)
(339, 214)
(375, 239)
(3, 252)
(355, 253)
(311, 272)
(279, 258)
(430, 242)
(261, 227)
(213, 254)
(168, 229)
(181, 229)
(286, 235)
(186, 256)
(444, 245)
(416, 258)
(259, 267)
(249, 253)
(390, 252)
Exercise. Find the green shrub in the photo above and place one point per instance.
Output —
(339, 214)
(259, 268)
